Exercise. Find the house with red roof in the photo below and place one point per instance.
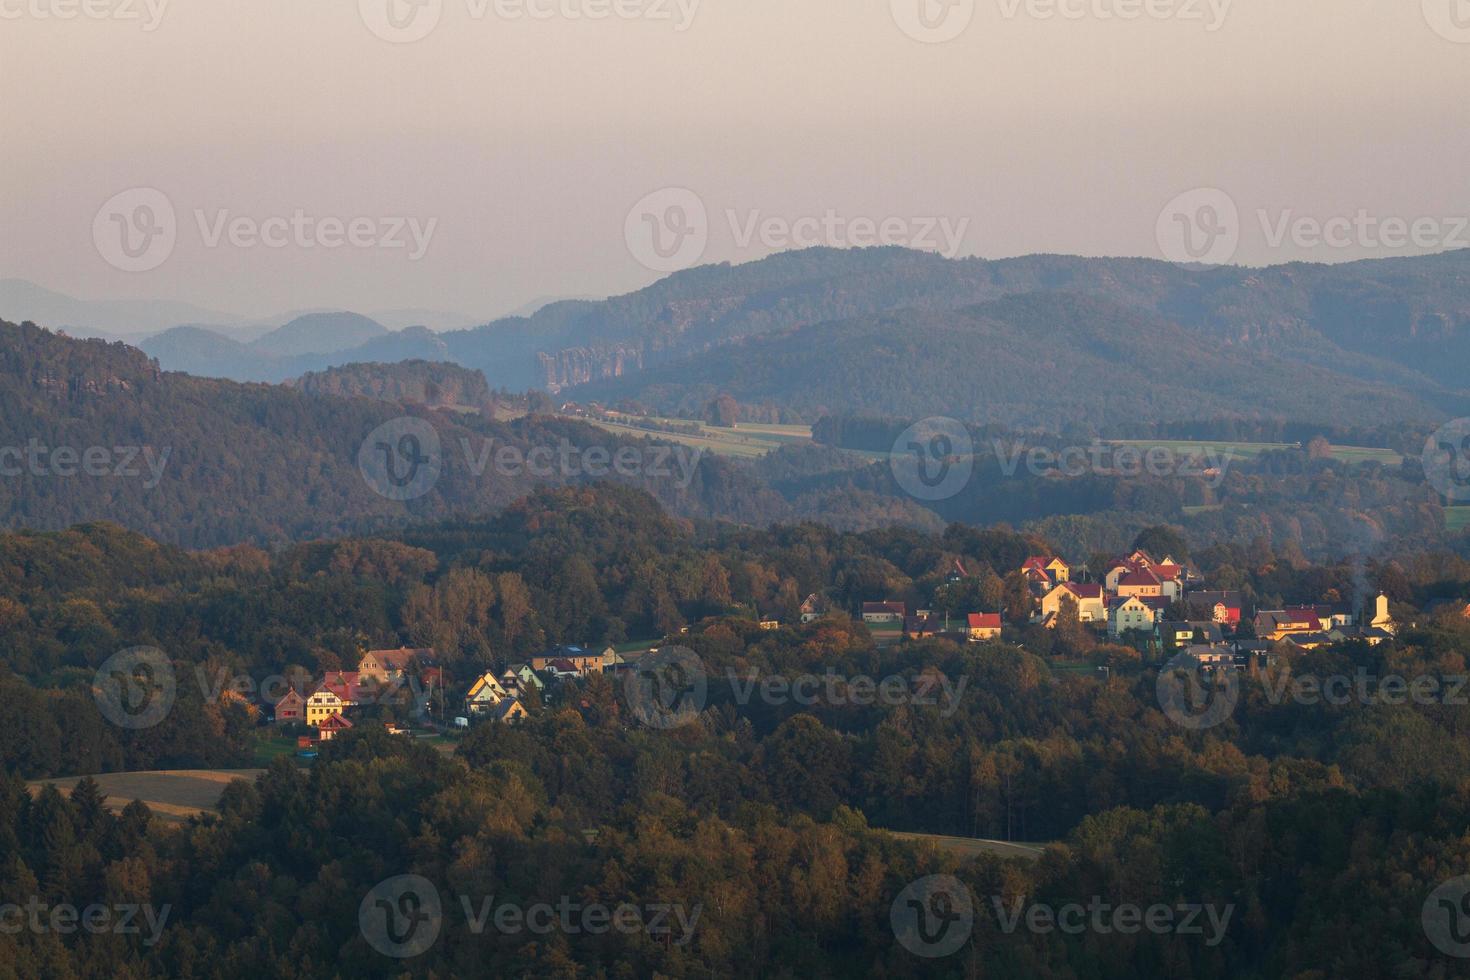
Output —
(982, 627)
(332, 726)
(1141, 582)
(1046, 571)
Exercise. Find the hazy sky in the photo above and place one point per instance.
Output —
(516, 145)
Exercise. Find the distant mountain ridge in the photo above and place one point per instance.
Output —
(1393, 329)
(313, 342)
(1369, 319)
(1040, 360)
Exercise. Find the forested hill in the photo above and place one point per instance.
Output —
(412, 382)
(1037, 360)
(94, 431)
(1403, 321)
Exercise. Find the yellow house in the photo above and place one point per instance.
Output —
(485, 694)
(1142, 582)
(1089, 599)
(323, 704)
(1131, 614)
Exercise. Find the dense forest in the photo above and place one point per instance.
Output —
(764, 814)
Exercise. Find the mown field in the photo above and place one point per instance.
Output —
(173, 796)
(748, 439)
(1249, 450)
(1456, 518)
(969, 847)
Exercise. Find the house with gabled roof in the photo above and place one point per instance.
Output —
(392, 665)
(509, 711)
(291, 708)
(1140, 582)
(332, 726)
(983, 627)
(323, 704)
(1088, 597)
(582, 661)
(485, 693)
(1223, 607)
(884, 612)
(522, 675)
(1129, 613)
(813, 607)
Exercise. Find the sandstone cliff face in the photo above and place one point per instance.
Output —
(578, 365)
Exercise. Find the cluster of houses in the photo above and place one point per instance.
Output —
(1132, 594)
(1133, 597)
(388, 675)
(500, 696)
(381, 675)
(974, 628)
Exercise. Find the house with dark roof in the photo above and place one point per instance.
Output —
(1222, 606)
(883, 613)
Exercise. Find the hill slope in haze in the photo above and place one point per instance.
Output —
(1037, 360)
(313, 342)
(1410, 312)
(203, 462)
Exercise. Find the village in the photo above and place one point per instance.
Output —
(1151, 604)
